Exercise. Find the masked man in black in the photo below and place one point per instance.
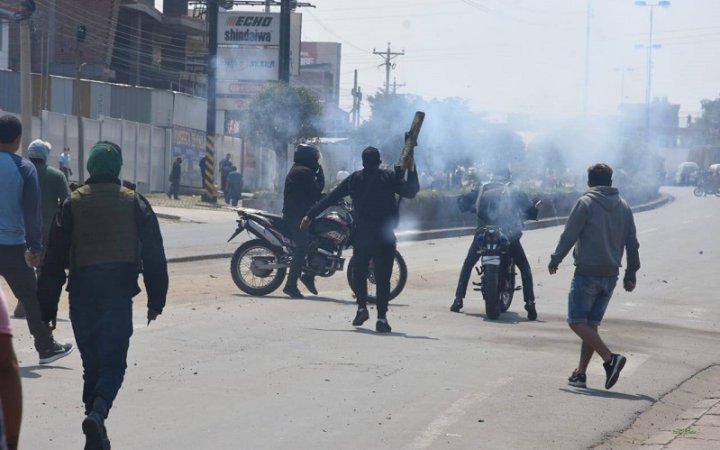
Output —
(499, 204)
(373, 192)
(303, 187)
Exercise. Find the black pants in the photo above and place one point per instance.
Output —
(174, 189)
(518, 255)
(23, 285)
(382, 255)
(302, 241)
(102, 327)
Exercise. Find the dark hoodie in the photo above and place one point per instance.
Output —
(601, 227)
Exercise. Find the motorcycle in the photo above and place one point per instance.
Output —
(496, 271)
(706, 187)
(259, 266)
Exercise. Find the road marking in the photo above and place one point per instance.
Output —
(650, 230)
(452, 414)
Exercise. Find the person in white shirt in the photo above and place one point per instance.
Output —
(65, 161)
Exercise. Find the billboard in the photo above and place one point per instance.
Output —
(248, 28)
(247, 63)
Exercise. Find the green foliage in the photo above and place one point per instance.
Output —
(710, 119)
(282, 115)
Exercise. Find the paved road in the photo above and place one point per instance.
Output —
(221, 370)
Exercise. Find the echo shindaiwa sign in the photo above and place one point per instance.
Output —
(248, 28)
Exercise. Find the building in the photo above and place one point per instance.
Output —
(123, 41)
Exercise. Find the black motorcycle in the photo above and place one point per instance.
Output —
(496, 270)
(705, 187)
(259, 266)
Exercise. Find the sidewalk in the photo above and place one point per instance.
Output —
(670, 424)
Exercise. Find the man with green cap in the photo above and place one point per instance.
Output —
(105, 234)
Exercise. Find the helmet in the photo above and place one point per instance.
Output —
(307, 155)
(502, 175)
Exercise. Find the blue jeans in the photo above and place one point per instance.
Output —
(589, 297)
(102, 327)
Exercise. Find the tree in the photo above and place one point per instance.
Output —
(709, 121)
(282, 115)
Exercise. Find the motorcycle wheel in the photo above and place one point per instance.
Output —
(507, 292)
(698, 191)
(398, 278)
(490, 291)
(250, 278)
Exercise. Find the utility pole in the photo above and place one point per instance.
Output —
(23, 19)
(79, 39)
(284, 62)
(388, 56)
(649, 48)
(588, 21)
(357, 98)
(208, 168)
(396, 85)
(25, 86)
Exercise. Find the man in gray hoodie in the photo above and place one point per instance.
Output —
(601, 227)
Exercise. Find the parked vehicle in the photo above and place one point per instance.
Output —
(496, 270)
(259, 266)
(687, 174)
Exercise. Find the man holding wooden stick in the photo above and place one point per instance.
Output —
(373, 192)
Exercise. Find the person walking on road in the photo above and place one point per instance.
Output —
(64, 162)
(233, 186)
(601, 228)
(10, 386)
(373, 192)
(53, 191)
(105, 234)
(225, 167)
(304, 184)
(21, 243)
(174, 179)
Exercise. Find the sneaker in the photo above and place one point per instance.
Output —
(532, 313)
(361, 316)
(309, 282)
(578, 379)
(55, 352)
(613, 368)
(19, 312)
(457, 305)
(93, 427)
(293, 292)
(382, 326)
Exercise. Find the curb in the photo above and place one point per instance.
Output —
(441, 233)
(168, 216)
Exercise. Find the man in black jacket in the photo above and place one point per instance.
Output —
(105, 234)
(498, 203)
(175, 174)
(373, 192)
(303, 187)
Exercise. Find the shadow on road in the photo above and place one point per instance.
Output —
(507, 317)
(32, 371)
(374, 333)
(608, 394)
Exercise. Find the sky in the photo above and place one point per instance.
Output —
(525, 56)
